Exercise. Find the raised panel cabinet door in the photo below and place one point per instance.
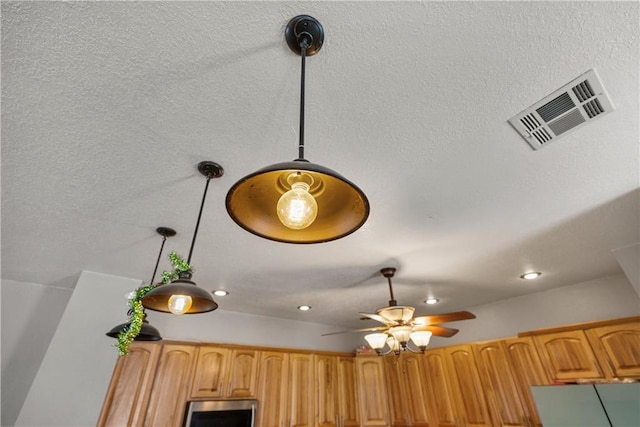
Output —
(243, 373)
(462, 373)
(272, 389)
(326, 390)
(501, 389)
(210, 374)
(439, 394)
(528, 371)
(567, 355)
(348, 411)
(171, 386)
(413, 379)
(617, 348)
(395, 395)
(301, 390)
(372, 391)
(128, 394)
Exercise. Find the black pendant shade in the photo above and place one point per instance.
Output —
(147, 331)
(340, 206)
(202, 301)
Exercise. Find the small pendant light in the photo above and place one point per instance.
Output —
(147, 332)
(183, 296)
(298, 201)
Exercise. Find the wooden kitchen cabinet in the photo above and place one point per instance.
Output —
(506, 403)
(222, 372)
(243, 373)
(209, 377)
(171, 386)
(130, 388)
(348, 408)
(405, 385)
(617, 348)
(567, 356)
(301, 388)
(462, 373)
(439, 393)
(372, 391)
(528, 371)
(272, 389)
(326, 391)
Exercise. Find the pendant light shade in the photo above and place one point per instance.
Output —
(147, 332)
(298, 201)
(183, 296)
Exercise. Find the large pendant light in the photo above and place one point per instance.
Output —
(298, 201)
(183, 296)
(147, 332)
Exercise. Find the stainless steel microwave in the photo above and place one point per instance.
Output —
(222, 413)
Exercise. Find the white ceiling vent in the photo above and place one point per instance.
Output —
(568, 108)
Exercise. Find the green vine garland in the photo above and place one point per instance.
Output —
(136, 310)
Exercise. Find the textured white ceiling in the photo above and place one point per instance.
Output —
(107, 107)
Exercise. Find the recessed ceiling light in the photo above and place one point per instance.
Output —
(220, 293)
(304, 307)
(532, 275)
(431, 301)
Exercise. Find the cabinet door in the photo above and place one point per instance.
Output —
(130, 387)
(326, 391)
(413, 379)
(171, 386)
(465, 383)
(301, 390)
(210, 373)
(528, 371)
(349, 414)
(392, 375)
(567, 355)
(243, 373)
(372, 391)
(505, 401)
(272, 389)
(617, 348)
(439, 393)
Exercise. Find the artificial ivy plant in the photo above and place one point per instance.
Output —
(136, 310)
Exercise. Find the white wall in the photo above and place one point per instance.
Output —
(30, 316)
(599, 299)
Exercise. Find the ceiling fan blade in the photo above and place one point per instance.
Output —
(379, 328)
(377, 317)
(436, 330)
(436, 319)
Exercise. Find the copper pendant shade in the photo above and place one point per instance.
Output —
(147, 332)
(342, 207)
(201, 300)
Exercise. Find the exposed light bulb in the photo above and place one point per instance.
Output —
(297, 208)
(179, 304)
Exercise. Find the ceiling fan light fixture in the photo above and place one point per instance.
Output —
(402, 334)
(298, 201)
(421, 339)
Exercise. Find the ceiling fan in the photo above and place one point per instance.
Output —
(401, 328)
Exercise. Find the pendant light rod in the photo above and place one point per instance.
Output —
(164, 232)
(209, 170)
(304, 45)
